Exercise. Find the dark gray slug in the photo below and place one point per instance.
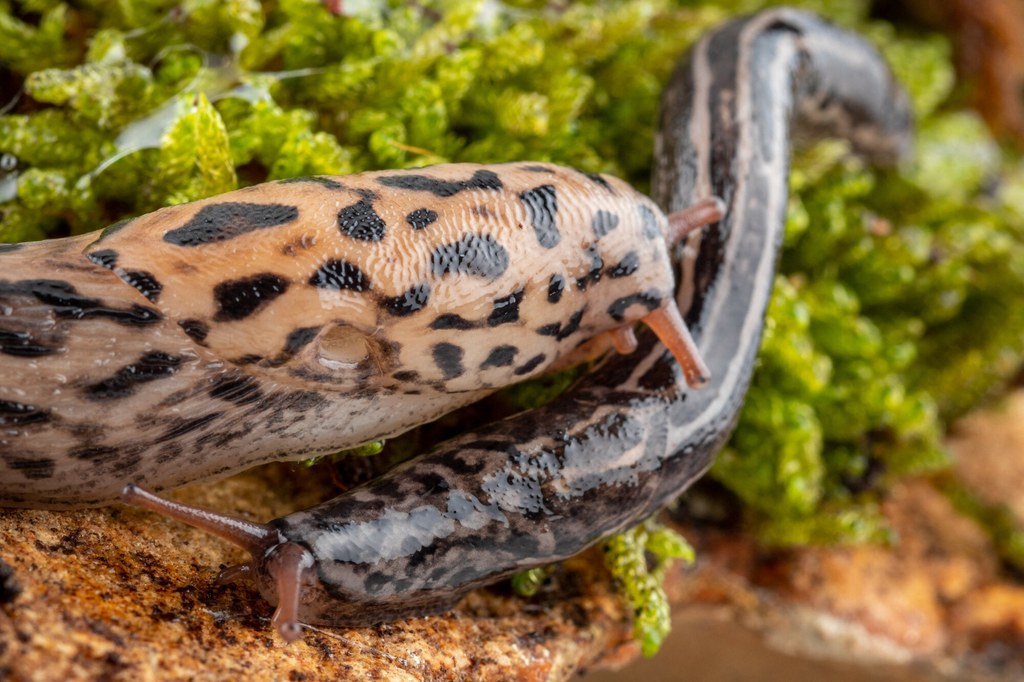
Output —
(545, 484)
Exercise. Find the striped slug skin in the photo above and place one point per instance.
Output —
(547, 483)
(298, 318)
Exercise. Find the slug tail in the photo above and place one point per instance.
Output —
(255, 538)
(692, 218)
(668, 325)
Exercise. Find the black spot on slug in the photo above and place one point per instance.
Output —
(23, 344)
(648, 222)
(596, 266)
(473, 254)
(451, 321)
(223, 221)
(420, 218)
(106, 258)
(96, 454)
(530, 365)
(13, 413)
(649, 299)
(406, 304)
(482, 179)
(145, 282)
(340, 274)
(35, 468)
(556, 285)
(541, 207)
(598, 179)
(314, 179)
(561, 333)
(448, 358)
(197, 330)
(537, 169)
(299, 339)
(67, 303)
(406, 375)
(361, 222)
(506, 309)
(236, 388)
(500, 356)
(240, 298)
(604, 222)
(627, 266)
(182, 426)
(149, 367)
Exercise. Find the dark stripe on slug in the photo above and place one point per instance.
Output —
(313, 179)
(96, 454)
(223, 221)
(420, 218)
(145, 282)
(408, 303)
(182, 426)
(530, 365)
(482, 179)
(451, 321)
(22, 344)
(19, 414)
(111, 229)
(649, 299)
(598, 179)
(69, 304)
(448, 358)
(541, 206)
(299, 339)
(629, 264)
(150, 367)
(104, 257)
(236, 388)
(360, 221)
(500, 356)
(339, 275)
(506, 309)
(34, 469)
(648, 222)
(537, 169)
(556, 285)
(571, 327)
(596, 267)
(240, 298)
(9, 248)
(604, 222)
(197, 330)
(406, 375)
(473, 254)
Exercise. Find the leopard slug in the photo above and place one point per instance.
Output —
(302, 317)
(545, 484)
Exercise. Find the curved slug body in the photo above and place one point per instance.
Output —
(547, 483)
(302, 317)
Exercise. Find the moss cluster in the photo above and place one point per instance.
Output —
(898, 303)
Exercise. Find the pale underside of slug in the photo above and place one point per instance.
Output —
(297, 318)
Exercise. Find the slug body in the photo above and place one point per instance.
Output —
(302, 317)
(545, 484)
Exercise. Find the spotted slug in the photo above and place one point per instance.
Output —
(297, 318)
(545, 484)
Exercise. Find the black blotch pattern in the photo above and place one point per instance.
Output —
(530, 365)
(240, 298)
(506, 309)
(599, 179)
(97, 454)
(473, 254)
(22, 344)
(223, 221)
(448, 358)
(182, 426)
(314, 179)
(104, 257)
(550, 329)
(197, 330)
(299, 339)
(648, 222)
(541, 207)
(361, 222)
(67, 303)
(451, 321)
(13, 413)
(236, 388)
(406, 375)
(482, 179)
(596, 267)
(408, 303)
(556, 285)
(149, 367)
(420, 218)
(561, 333)
(145, 282)
(604, 222)
(649, 299)
(35, 469)
(627, 266)
(340, 274)
(500, 356)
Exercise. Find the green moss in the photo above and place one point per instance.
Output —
(897, 305)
